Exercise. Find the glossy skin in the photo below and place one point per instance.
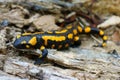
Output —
(55, 39)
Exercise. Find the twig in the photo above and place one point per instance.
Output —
(95, 39)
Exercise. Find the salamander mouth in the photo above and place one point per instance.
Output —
(32, 50)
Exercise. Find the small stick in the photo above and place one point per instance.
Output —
(80, 22)
(95, 39)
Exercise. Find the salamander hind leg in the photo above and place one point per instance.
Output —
(101, 34)
(42, 56)
(77, 42)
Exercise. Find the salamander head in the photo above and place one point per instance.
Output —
(25, 42)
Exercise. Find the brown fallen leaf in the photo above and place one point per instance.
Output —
(45, 23)
(114, 20)
(15, 16)
(116, 36)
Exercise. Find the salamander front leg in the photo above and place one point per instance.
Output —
(42, 56)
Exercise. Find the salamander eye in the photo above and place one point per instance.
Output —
(27, 45)
(23, 42)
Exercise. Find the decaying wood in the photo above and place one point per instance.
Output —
(81, 63)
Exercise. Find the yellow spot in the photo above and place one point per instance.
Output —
(66, 45)
(76, 38)
(79, 29)
(27, 46)
(101, 32)
(42, 48)
(25, 34)
(62, 31)
(61, 38)
(53, 38)
(57, 39)
(23, 42)
(104, 44)
(87, 29)
(105, 37)
(38, 33)
(45, 38)
(49, 32)
(69, 27)
(53, 46)
(33, 41)
(70, 36)
(18, 36)
(75, 31)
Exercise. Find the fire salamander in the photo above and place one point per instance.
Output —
(55, 39)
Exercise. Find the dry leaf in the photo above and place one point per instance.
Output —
(114, 20)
